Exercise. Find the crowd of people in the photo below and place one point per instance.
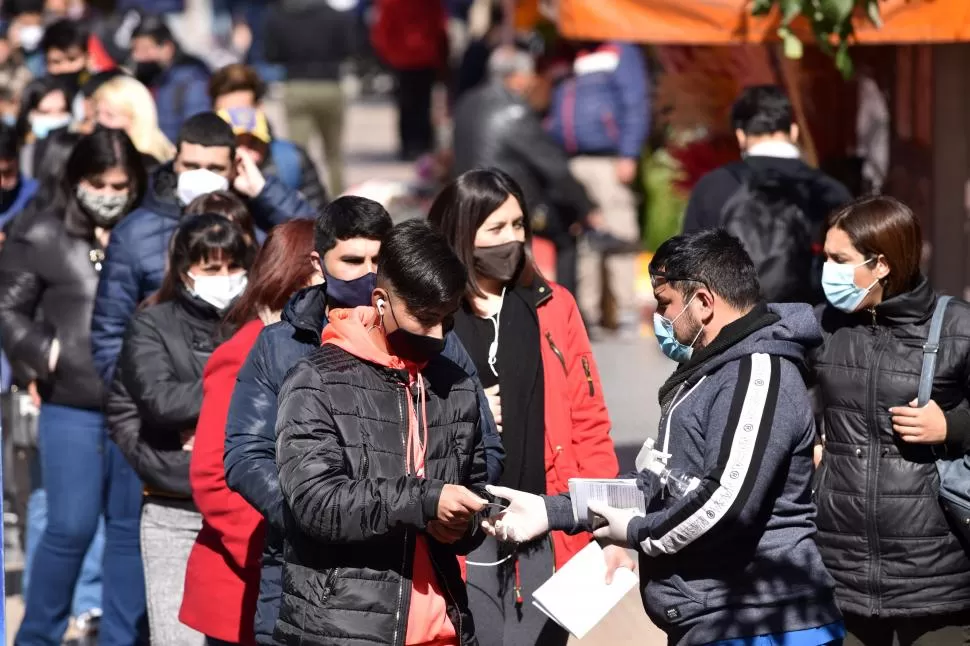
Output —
(272, 416)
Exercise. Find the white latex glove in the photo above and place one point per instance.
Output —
(618, 519)
(525, 518)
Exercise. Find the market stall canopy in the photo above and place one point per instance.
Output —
(726, 22)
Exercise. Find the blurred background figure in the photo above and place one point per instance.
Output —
(178, 81)
(14, 74)
(313, 40)
(44, 108)
(124, 103)
(237, 94)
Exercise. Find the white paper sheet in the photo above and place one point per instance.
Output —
(620, 494)
(577, 597)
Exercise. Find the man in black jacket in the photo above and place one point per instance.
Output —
(497, 125)
(377, 448)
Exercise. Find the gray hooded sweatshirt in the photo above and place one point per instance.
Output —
(735, 556)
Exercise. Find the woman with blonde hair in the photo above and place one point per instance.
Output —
(124, 103)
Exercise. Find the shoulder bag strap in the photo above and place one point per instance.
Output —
(930, 350)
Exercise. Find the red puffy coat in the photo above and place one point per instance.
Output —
(578, 443)
(411, 34)
(222, 577)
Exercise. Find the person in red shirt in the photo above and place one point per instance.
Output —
(222, 578)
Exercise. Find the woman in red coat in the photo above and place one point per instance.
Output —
(534, 359)
(222, 579)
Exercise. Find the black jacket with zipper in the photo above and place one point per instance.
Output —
(881, 531)
(156, 393)
(352, 512)
(48, 279)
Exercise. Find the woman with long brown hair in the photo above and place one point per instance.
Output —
(222, 579)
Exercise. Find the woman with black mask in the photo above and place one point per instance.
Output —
(534, 359)
(48, 276)
(154, 402)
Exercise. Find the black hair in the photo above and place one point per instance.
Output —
(154, 27)
(102, 150)
(207, 129)
(9, 143)
(463, 205)
(50, 171)
(31, 97)
(15, 8)
(97, 80)
(418, 266)
(64, 35)
(349, 217)
(712, 258)
(197, 238)
(762, 110)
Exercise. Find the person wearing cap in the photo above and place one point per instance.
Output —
(276, 157)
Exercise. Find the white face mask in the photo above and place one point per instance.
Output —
(30, 37)
(219, 291)
(201, 181)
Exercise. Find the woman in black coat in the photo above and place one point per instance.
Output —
(156, 395)
(901, 571)
(49, 272)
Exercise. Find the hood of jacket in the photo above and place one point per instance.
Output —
(787, 330)
(307, 310)
(351, 330)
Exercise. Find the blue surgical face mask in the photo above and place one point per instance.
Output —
(350, 293)
(838, 283)
(669, 345)
(43, 124)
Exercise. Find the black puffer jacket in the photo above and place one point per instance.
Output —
(353, 514)
(48, 279)
(881, 531)
(156, 394)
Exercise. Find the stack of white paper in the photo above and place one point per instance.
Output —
(577, 597)
(619, 494)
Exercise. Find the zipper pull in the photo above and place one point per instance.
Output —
(589, 377)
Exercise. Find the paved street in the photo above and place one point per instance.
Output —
(631, 370)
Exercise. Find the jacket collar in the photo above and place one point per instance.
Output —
(160, 197)
(307, 310)
(912, 307)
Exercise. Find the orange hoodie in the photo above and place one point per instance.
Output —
(356, 331)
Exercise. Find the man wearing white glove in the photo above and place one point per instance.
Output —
(731, 556)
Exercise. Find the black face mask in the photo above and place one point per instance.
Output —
(148, 72)
(8, 196)
(415, 348)
(500, 262)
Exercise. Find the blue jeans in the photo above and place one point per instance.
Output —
(87, 592)
(125, 619)
(71, 454)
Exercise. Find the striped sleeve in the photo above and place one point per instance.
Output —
(738, 456)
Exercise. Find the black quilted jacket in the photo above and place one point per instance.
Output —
(352, 512)
(881, 531)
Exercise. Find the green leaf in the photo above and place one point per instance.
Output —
(872, 10)
(792, 45)
(789, 10)
(843, 61)
(762, 7)
(839, 10)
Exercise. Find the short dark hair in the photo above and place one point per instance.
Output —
(236, 77)
(64, 35)
(97, 80)
(196, 238)
(463, 205)
(349, 217)
(880, 225)
(9, 142)
(712, 258)
(227, 204)
(762, 110)
(418, 265)
(207, 129)
(153, 27)
(103, 149)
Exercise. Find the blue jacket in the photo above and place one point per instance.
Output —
(251, 430)
(181, 92)
(135, 259)
(604, 108)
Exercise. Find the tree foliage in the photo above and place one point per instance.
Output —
(831, 22)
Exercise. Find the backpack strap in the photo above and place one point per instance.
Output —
(930, 351)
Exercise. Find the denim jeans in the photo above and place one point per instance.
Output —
(71, 441)
(125, 620)
(87, 592)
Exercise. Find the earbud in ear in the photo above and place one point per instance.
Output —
(380, 306)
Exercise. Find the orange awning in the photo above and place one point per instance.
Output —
(726, 22)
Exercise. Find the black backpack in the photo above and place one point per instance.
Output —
(767, 215)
